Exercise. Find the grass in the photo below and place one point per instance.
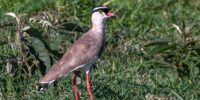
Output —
(152, 49)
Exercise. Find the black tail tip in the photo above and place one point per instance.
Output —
(41, 86)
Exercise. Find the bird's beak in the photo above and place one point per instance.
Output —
(110, 14)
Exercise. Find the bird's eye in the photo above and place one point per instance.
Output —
(100, 11)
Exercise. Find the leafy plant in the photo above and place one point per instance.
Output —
(151, 51)
(178, 52)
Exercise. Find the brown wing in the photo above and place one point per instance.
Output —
(81, 52)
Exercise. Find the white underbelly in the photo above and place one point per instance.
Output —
(85, 67)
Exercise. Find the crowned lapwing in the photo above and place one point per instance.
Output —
(82, 54)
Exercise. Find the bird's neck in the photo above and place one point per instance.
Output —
(98, 27)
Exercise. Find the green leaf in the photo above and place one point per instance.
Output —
(55, 42)
(157, 42)
(48, 45)
(40, 49)
(73, 27)
(160, 63)
(34, 33)
(161, 48)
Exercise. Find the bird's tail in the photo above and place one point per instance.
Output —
(41, 86)
(47, 79)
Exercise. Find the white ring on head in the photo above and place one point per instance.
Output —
(100, 8)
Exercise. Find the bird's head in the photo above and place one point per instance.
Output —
(99, 14)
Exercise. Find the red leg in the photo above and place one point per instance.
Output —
(74, 85)
(88, 85)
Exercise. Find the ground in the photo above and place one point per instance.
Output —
(152, 49)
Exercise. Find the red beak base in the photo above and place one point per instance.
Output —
(110, 14)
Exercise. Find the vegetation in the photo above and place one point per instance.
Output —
(152, 49)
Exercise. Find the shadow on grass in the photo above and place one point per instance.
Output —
(105, 92)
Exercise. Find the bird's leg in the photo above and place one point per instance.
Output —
(88, 84)
(75, 89)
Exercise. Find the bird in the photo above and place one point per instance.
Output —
(82, 54)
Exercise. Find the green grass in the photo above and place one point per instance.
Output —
(146, 55)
